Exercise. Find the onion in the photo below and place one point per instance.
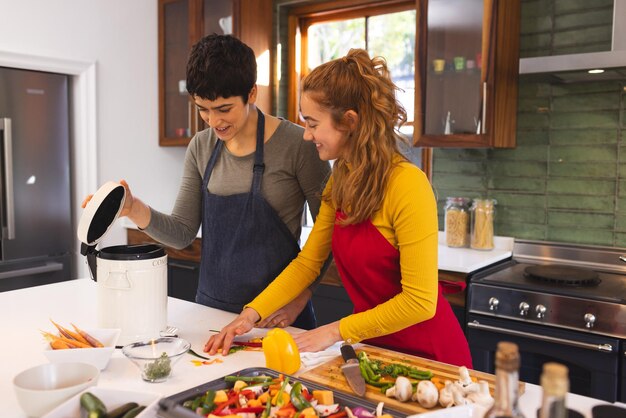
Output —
(361, 412)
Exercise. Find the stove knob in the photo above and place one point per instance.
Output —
(541, 311)
(493, 304)
(523, 308)
(590, 320)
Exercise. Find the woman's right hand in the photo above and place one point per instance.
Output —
(239, 326)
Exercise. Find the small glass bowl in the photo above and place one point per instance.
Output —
(156, 357)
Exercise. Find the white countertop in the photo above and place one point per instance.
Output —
(27, 311)
(467, 260)
(459, 260)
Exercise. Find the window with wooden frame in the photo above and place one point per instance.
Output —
(323, 31)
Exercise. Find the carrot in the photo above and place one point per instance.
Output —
(90, 340)
(70, 334)
(437, 381)
(59, 345)
(68, 341)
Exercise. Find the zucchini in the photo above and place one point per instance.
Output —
(121, 410)
(134, 412)
(91, 406)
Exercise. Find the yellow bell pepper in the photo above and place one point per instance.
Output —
(281, 351)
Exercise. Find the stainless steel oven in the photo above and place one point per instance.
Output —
(558, 302)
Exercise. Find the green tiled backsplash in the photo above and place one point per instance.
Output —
(566, 179)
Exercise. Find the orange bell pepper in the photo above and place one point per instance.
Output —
(281, 352)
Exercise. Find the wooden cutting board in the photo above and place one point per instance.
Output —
(329, 374)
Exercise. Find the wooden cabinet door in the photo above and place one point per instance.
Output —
(181, 24)
(466, 73)
(177, 33)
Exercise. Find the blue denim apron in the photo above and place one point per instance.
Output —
(245, 244)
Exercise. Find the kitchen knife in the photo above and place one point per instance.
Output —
(351, 369)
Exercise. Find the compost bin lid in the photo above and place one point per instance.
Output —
(100, 213)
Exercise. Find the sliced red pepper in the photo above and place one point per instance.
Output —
(248, 344)
(233, 399)
(249, 394)
(338, 414)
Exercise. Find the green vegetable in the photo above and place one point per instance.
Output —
(91, 406)
(247, 379)
(134, 412)
(205, 402)
(236, 348)
(158, 369)
(121, 410)
(297, 399)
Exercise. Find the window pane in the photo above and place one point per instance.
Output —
(392, 36)
(330, 40)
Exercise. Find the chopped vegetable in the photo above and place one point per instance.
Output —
(361, 412)
(377, 373)
(267, 397)
(297, 398)
(324, 397)
(159, 368)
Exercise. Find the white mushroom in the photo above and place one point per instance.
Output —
(471, 388)
(457, 394)
(402, 390)
(427, 394)
(464, 377)
(445, 395)
(482, 397)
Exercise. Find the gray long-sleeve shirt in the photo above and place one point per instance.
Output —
(293, 173)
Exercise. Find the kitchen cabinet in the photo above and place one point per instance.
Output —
(454, 285)
(181, 24)
(182, 279)
(466, 73)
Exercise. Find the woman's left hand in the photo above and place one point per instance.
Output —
(286, 315)
(319, 338)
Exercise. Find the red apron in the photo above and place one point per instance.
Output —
(369, 267)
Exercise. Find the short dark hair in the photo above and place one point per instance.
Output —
(221, 66)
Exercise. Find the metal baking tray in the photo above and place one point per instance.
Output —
(171, 407)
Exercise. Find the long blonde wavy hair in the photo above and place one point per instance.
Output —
(362, 84)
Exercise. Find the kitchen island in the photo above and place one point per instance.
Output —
(27, 311)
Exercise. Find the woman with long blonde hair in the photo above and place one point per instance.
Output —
(379, 218)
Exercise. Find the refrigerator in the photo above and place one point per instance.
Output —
(36, 243)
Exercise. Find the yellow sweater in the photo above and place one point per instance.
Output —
(408, 220)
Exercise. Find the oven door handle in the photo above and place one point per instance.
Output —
(606, 348)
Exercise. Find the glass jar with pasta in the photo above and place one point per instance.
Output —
(481, 229)
(456, 221)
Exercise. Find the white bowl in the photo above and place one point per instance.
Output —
(112, 398)
(42, 388)
(98, 357)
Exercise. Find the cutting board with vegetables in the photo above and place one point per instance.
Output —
(329, 374)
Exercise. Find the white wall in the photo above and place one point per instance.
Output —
(120, 36)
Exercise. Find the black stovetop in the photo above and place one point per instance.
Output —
(607, 286)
